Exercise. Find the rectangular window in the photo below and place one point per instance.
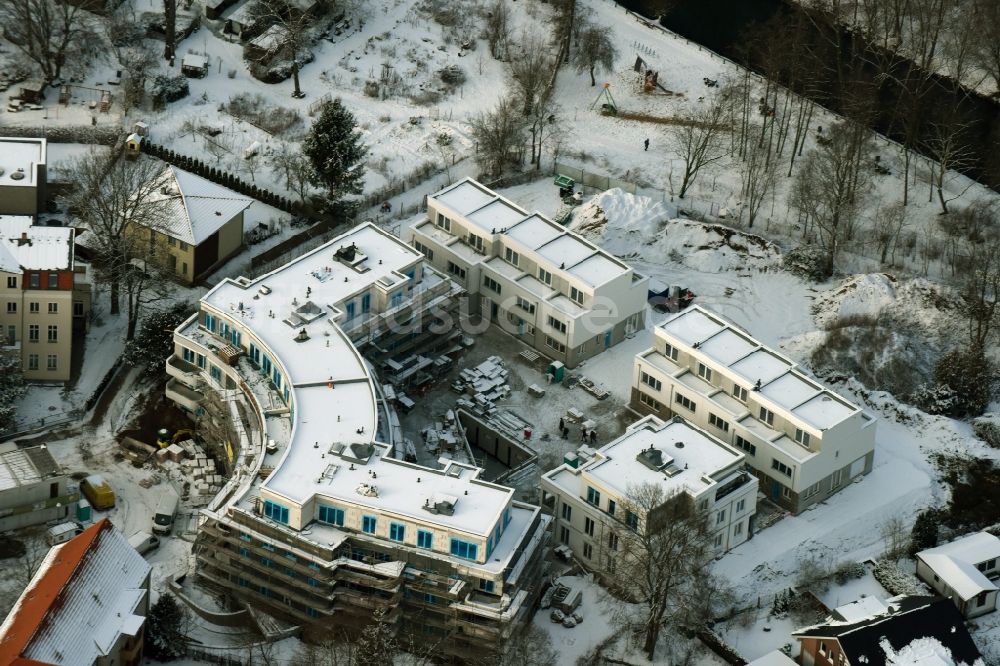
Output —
(187, 354)
(567, 512)
(556, 324)
(704, 372)
(201, 361)
(650, 381)
(491, 284)
(632, 520)
(476, 242)
(426, 251)
(51, 362)
(740, 393)
(32, 361)
(525, 305)
(611, 507)
(487, 585)
(464, 549)
(781, 467)
(838, 476)
(11, 307)
(767, 416)
(741, 505)
(593, 497)
(366, 303)
(53, 333)
(77, 308)
(511, 256)
(685, 402)
(331, 515)
(397, 531)
(368, 524)
(718, 422)
(555, 344)
(670, 352)
(33, 307)
(35, 281)
(718, 541)
(33, 333)
(276, 512)
(53, 308)
(720, 517)
(738, 530)
(563, 535)
(802, 437)
(443, 222)
(12, 282)
(216, 373)
(576, 295)
(649, 402)
(53, 280)
(545, 276)
(745, 445)
(786, 492)
(244, 552)
(588, 526)
(612, 541)
(810, 491)
(210, 322)
(425, 539)
(456, 270)
(588, 551)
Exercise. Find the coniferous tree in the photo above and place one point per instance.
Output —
(11, 388)
(335, 150)
(925, 530)
(377, 644)
(165, 639)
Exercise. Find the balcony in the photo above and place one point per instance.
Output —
(182, 395)
(184, 372)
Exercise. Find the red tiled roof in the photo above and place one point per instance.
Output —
(43, 593)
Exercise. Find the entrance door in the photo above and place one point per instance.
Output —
(607, 338)
(775, 490)
(494, 309)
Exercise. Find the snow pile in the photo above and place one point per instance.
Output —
(925, 651)
(637, 227)
(871, 295)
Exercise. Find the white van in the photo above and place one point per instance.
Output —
(143, 542)
(166, 511)
(61, 533)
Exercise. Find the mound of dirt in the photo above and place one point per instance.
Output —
(639, 227)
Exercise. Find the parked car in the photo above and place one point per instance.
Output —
(143, 542)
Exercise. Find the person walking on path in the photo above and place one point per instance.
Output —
(646, 144)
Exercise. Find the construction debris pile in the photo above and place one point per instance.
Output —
(188, 461)
(444, 435)
(482, 386)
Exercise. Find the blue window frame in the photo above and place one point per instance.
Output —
(464, 549)
(188, 354)
(245, 552)
(276, 378)
(236, 337)
(243, 582)
(312, 612)
(368, 524)
(267, 562)
(487, 585)
(425, 539)
(276, 512)
(412, 273)
(224, 329)
(331, 515)
(350, 310)
(290, 555)
(397, 299)
(265, 365)
(216, 373)
(593, 497)
(290, 572)
(366, 303)
(254, 353)
(201, 361)
(210, 322)
(245, 537)
(286, 395)
(430, 598)
(397, 531)
(312, 582)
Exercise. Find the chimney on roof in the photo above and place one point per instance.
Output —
(23, 240)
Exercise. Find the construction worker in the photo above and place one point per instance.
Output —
(646, 144)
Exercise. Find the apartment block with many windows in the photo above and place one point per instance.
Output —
(320, 523)
(592, 493)
(533, 278)
(43, 297)
(804, 441)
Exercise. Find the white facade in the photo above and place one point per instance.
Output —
(591, 498)
(965, 570)
(548, 286)
(804, 441)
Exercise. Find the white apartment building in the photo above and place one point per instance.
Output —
(320, 523)
(589, 493)
(804, 441)
(556, 291)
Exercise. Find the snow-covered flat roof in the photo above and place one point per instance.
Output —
(565, 250)
(567, 306)
(776, 658)
(495, 216)
(20, 155)
(465, 196)
(775, 377)
(27, 247)
(689, 457)
(597, 269)
(955, 563)
(534, 231)
(659, 361)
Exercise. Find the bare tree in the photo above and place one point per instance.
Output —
(831, 183)
(529, 67)
(26, 566)
(594, 50)
(498, 134)
(757, 177)
(122, 213)
(889, 224)
(293, 33)
(497, 29)
(948, 146)
(48, 32)
(296, 170)
(986, 46)
(698, 140)
(895, 537)
(665, 560)
(529, 647)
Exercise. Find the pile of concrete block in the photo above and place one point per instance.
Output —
(483, 385)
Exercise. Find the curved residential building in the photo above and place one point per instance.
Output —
(320, 522)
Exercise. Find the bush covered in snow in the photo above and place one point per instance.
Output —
(847, 571)
(969, 375)
(169, 88)
(11, 388)
(925, 530)
(934, 398)
(895, 581)
(987, 428)
(806, 261)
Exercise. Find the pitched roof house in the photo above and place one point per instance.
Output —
(965, 571)
(86, 605)
(926, 628)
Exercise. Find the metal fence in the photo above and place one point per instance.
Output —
(594, 182)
